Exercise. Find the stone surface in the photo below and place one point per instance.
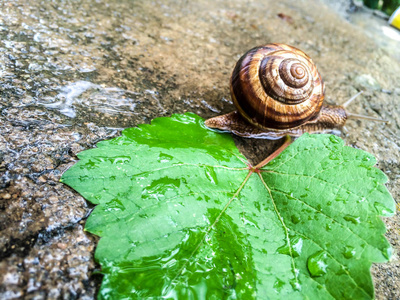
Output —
(366, 82)
(71, 77)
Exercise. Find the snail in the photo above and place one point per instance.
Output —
(278, 91)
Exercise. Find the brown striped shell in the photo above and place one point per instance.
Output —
(277, 86)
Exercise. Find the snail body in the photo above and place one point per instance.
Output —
(278, 91)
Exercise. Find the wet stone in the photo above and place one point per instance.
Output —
(70, 78)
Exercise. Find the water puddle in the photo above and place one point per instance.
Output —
(84, 97)
(67, 96)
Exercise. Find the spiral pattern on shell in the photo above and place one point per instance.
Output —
(277, 86)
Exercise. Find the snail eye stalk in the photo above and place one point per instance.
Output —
(360, 117)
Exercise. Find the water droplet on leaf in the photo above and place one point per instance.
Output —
(115, 204)
(211, 175)
(163, 158)
(278, 284)
(335, 156)
(352, 219)
(317, 263)
(383, 210)
(295, 219)
(349, 252)
(334, 139)
(341, 200)
(295, 284)
(296, 243)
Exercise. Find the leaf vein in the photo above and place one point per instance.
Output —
(284, 227)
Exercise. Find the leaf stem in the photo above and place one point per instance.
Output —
(288, 141)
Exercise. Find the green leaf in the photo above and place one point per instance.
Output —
(181, 215)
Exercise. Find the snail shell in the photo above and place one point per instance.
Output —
(277, 86)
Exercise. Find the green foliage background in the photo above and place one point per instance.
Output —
(387, 6)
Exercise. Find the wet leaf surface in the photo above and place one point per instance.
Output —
(180, 214)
